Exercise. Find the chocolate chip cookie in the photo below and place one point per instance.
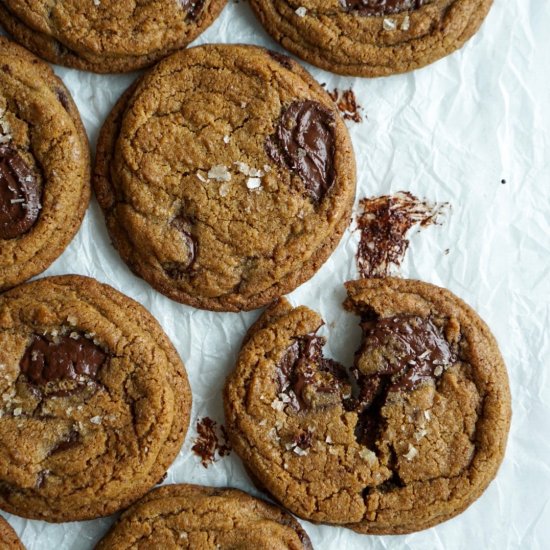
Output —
(202, 518)
(44, 166)
(226, 176)
(371, 37)
(407, 438)
(8, 537)
(107, 36)
(94, 400)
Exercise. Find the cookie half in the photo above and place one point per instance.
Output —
(44, 166)
(203, 518)
(8, 538)
(407, 438)
(371, 37)
(95, 400)
(107, 36)
(226, 177)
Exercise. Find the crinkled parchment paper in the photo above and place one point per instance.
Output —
(449, 132)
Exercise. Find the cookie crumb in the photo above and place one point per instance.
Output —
(211, 443)
(384, 223)
(347, 104)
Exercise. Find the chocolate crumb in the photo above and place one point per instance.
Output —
(347, 104)
(211, 443)
(384, 223)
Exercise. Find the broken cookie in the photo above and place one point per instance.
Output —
(408, 437)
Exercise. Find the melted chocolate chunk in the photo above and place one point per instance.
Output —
(19, 195)
(63, 99)
(179, 270)
(193, 7)
(409, 349)
(381, 7)
(397, 354)
(308, 378)
(65, 358)
(282, 59)
(304, 142)
(71, 440)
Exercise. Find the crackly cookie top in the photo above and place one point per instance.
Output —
(94, 401)
(371, 37)
(407, 437)
(108, 35)
(226, 176)
(204, 518)
(44, 166)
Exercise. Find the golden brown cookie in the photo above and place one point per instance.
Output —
(371, 37)
(203, 518)
(226, 176)
(107, 36)
(44, 166)
(412, 441)
(8, 537)
(94, 400)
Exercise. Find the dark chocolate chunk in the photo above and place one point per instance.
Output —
(180, 269)
(308, 378)
(304, 142)
(409, 349)
(193, 7)
(282, 59)
(72, 439)
(64, 358)
(63, 99)
(19, 195)
(381, 7)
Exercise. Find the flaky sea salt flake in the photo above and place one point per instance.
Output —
(219, 173)
(389, 24)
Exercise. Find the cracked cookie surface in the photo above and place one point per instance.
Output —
(94, 400)
(44, 166)
(371, 37)
(8, 537)
(407, 438)
(107, 35)
(204, 518)
(226, 176)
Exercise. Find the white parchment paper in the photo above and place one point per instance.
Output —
(449, 132)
